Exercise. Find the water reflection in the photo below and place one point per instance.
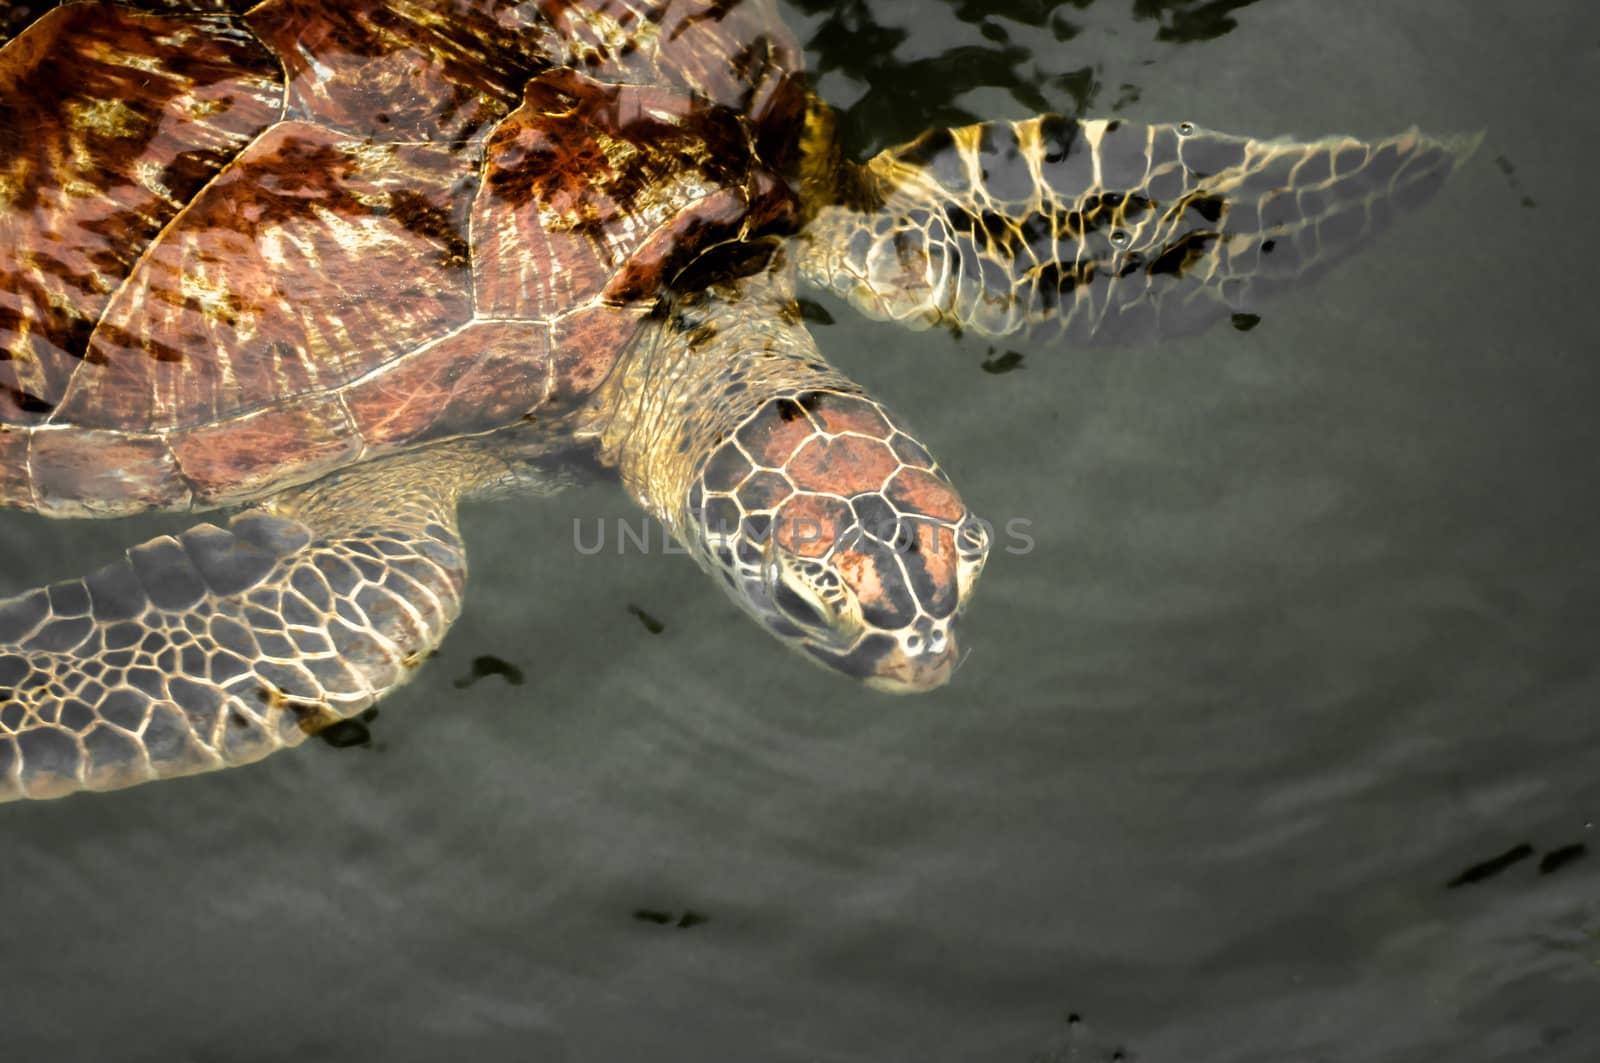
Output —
(866, 41)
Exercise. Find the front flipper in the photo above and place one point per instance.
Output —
(221, 645)
(1106, 232)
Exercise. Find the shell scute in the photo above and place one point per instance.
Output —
(16, 482)
(292, 441)
(246, 299)
(582, 345)
(734, 53)
(108, 472)
(480, 377)
(401, 70)
(594, 189)
(99, 161)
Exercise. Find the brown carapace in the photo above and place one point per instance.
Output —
(342, 264)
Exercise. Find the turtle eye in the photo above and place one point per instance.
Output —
(972, 539)
(797, 606)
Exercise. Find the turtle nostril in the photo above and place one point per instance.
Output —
(972, 536)
(928, 639)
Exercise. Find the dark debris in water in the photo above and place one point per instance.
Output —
(1246, 322)
(1002, 362)
(1491, 867)
(347, 734)
(487, 665)
(1075, 1045)
(1549, 863)
(651, 624)
(1503, 164)
(1556, 859)
(683, 921)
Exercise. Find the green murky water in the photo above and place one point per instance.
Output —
(1279, 744)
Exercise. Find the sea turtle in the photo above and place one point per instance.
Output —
(342, 263)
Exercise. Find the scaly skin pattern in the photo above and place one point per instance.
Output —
(224, 644)
(1105, 231)
(820, 514)
(836, 529)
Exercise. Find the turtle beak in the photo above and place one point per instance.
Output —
(923, 659)
(913, 675)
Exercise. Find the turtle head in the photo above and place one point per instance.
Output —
(838, 531)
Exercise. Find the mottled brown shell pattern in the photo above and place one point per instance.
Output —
(253, 248)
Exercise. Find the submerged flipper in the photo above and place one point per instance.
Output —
(221, 645)
(1106, 232)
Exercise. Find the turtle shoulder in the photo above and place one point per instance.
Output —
(597, 196)
(668, 131)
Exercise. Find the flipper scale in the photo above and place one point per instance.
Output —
(218, 646)
(1107, 232)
